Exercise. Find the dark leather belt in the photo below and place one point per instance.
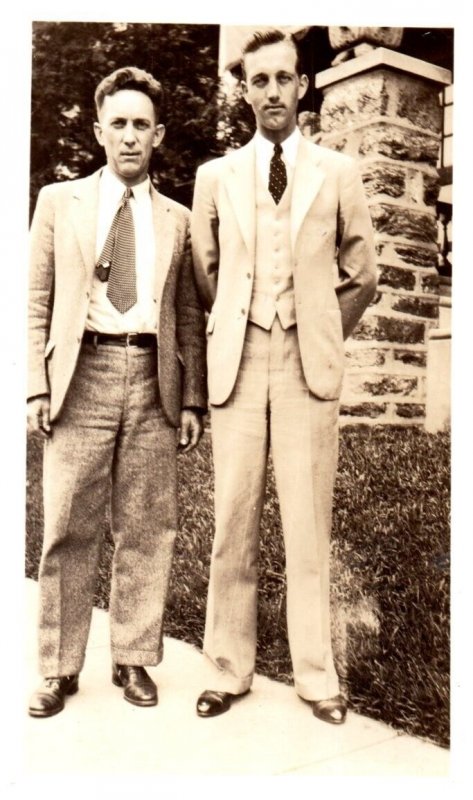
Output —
(120, 339)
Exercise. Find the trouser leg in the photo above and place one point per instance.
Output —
(144, 518)
(240, 447)
(76, 486)
(304, 438)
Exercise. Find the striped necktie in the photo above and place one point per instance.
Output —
(117, 259)
(277, 175)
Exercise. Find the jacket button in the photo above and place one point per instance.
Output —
(248, 274)
(243, 311)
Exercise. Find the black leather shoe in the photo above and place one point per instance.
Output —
(49, 699)
(139, 688)
(333, 710)
(211, 703)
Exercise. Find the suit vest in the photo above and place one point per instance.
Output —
(273, 285)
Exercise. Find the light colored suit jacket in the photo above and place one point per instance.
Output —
(330, 222)
(63, 234)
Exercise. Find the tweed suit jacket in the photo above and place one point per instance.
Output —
(63, 235)
(333, 260)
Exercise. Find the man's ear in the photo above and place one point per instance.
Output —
(159, 132)
(98, 133)
(303, 86)
(244, 89)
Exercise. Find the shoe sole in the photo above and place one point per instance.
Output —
(141, 703)
(330, 719)
(206, 714)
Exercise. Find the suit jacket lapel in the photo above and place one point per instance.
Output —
(308, 178)
(84, 211)
(165, 233)
(240, 185)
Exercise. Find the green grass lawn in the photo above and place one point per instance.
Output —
(390, 571)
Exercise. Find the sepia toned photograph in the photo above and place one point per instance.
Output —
(238, 397)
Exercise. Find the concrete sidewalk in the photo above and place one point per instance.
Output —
(270, 732)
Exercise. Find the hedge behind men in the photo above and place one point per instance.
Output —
(117, 365)
(269, 221)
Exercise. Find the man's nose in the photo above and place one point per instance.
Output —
(129, 134)
(272, 89)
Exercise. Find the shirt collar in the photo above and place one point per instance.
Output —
(265, 148)
(115, 188)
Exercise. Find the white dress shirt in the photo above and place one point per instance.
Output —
(102, 316)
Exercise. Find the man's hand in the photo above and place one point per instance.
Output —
(38, 415)
(191, 430)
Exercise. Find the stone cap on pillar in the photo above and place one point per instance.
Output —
(383, 57)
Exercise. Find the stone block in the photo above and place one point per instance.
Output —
(371, 410)
(390, 384)
(417, 306)
(417, 255)
(410, 410)
(356, 99)
(404, 222)
(414, 358)
(400, 144)
(390, 329)
(384, 179)
(430, 283)
(365, 358)
(397, 278)
(431, 189)
(418, 103)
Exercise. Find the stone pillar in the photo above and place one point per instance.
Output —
(382, 107)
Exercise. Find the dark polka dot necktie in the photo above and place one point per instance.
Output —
(277, 175)
(117, 259)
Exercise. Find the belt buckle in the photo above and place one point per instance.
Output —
(131, 340)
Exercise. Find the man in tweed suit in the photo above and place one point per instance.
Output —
(269, 222)
(113, 376)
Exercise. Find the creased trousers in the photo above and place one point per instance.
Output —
(271, 405)
(113, 453)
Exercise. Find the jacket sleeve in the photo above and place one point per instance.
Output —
(41, 291)
(356, 253)
(204, 234)
(190, 324)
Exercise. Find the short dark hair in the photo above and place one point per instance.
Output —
(130, 78)
(274, 36)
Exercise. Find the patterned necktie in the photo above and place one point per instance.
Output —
(117, 259)
(277, 175)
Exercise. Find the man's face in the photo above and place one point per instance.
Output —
(128, 131)
(273, 89)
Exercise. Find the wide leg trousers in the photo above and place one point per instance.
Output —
(111, 449)
(271, 405)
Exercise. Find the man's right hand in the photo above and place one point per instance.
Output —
(38, 415)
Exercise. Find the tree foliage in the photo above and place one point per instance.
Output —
(69, 60)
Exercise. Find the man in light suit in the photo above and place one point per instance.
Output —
(117, 366)
(268, 224)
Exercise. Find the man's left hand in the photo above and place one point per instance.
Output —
(191, 430)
